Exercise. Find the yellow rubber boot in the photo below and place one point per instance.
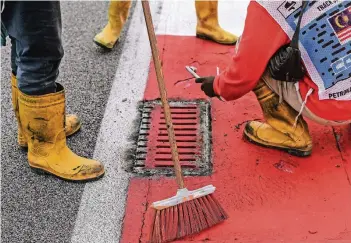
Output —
(117, 15)
(208, 26)
(42, 121)
(278, 131)
(72, 122)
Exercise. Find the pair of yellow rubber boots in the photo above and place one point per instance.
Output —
(279, 130)
(43, 127)
(207, 24)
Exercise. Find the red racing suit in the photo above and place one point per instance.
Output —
(261, 38)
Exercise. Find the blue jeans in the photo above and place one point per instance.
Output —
(35, 32)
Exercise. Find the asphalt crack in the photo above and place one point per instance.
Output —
(222, 53)
(183, 80)
(337, 140)
(146, 207)
(338, 146)
(198, 63)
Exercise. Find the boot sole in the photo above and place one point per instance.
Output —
(205, 37)
(74, 131)
(294, 152)
(40, 171)
(103, 46)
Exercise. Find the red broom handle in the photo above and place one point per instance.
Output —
(163, 93)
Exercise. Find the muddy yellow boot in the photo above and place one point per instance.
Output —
(72, 121)
(208, 26)
(117, 16)
(42, 120)
(278, 131)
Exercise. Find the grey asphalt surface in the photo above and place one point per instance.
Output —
(37, 208)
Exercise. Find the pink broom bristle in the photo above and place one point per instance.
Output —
(186, 219)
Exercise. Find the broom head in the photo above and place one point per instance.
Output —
(187, 213)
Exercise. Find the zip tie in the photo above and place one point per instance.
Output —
(280, 91)
(297, 87)
(3, 6)
(303, 105)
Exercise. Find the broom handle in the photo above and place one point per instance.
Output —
(163, 93)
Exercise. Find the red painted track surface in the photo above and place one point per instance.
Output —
(270, 196)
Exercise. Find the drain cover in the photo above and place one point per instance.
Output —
(192, 126)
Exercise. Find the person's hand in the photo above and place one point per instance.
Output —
(207, 85)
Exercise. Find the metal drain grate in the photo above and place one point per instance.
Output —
(192, 127)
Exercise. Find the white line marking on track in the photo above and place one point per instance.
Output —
(101, 212)
(179, 17)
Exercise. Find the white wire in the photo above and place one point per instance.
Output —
(303, 104)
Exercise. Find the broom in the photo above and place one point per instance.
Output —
(188, 212)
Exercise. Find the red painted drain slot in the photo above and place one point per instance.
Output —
(191, 123)
(159, 152)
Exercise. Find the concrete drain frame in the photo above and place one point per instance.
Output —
(192, 125)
